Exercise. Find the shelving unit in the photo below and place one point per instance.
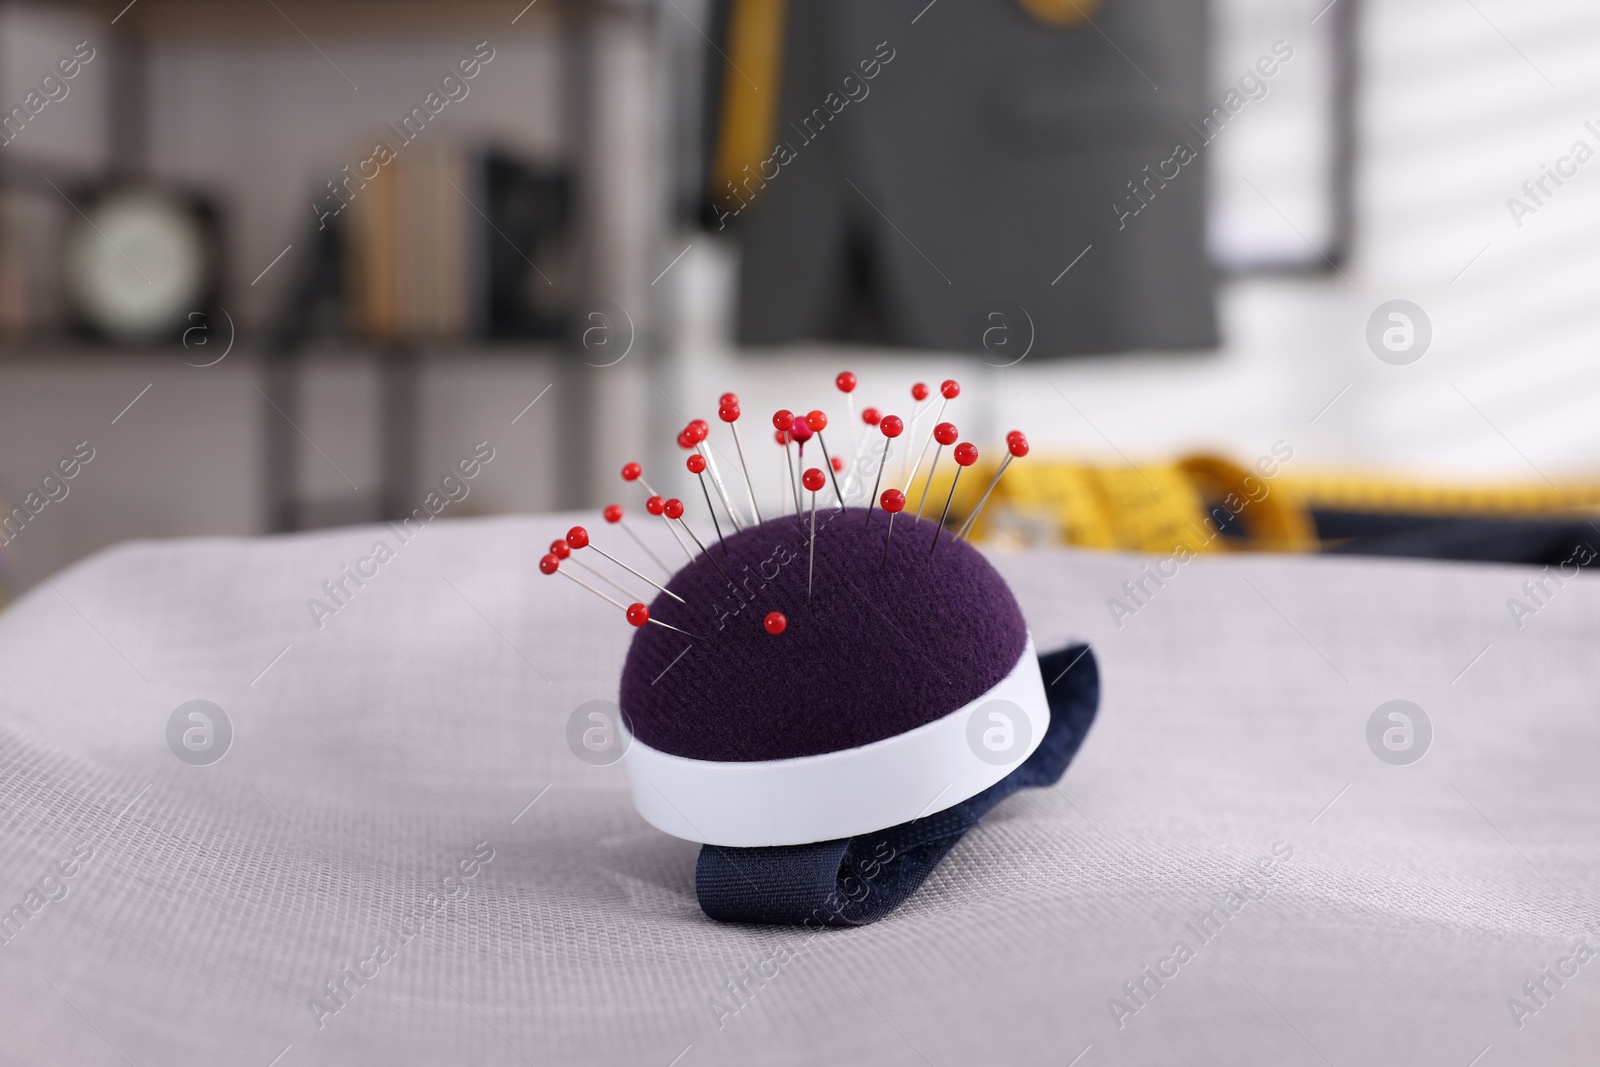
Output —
(610, 86)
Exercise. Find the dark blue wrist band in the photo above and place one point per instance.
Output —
(858, 880)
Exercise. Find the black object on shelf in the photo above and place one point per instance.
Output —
(529, 210)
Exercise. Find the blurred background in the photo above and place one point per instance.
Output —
(271, 265)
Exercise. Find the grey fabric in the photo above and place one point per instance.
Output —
(983, 158)
(380, 749)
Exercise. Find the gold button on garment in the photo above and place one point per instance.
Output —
(1064, 13)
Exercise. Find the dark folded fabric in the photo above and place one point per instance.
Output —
(1551, 542)
(859, 880)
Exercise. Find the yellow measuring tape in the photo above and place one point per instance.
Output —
(1161, 506)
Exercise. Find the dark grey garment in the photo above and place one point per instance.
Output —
(981, 160)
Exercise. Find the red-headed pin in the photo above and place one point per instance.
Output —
(1016, 448)
(694, 437)
(673, 509)
(697, 466)
(783, 421)
(846, 383)
(563, 551)
(816, 422)
(551, 564)
(966, 454)
(728, 412)
(800, 433)
(890, 426)
(775, 623)
(639, 614)
(894, 502)
(657, 506)
(578, 537)
(814, 480)
(636, 613)
(613, 515)
(949, 389)
(632, 472)
(946, 434)
(871, 416)
(782, 437)
(919, 394)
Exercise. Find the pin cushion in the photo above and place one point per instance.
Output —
(825, 701)
(854, 717)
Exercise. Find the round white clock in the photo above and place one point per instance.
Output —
(136, 263)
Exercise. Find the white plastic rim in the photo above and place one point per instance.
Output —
(839, 794)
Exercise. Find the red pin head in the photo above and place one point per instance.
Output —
(560, 549)
(781, 437)
(654, 505)
(578, 537)
(966, 453)
(728, 412)
(782, 419)
(946, 433)
(673, 508)
(613, 513)
(1019, 446)
(893, 501)
(728, 400)
(845, 381)
(631, 472)
(638, 614)
(949, 389)
(696, 463)
(816, 421)
(871, 416)
(838, 465)
(1014, 435)
(800, 431)
(814, 479)
(697, 430)
(685, 439)
(919, 392)
(775, 622)
(892, 425)
(549, 564)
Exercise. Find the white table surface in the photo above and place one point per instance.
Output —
(426, 714)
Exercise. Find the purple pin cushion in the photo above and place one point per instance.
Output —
(856, 713)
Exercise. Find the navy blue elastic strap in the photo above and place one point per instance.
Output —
(859, 880)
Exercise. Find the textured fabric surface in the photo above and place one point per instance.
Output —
(887, 643)
(858, 880)
(429, 711)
